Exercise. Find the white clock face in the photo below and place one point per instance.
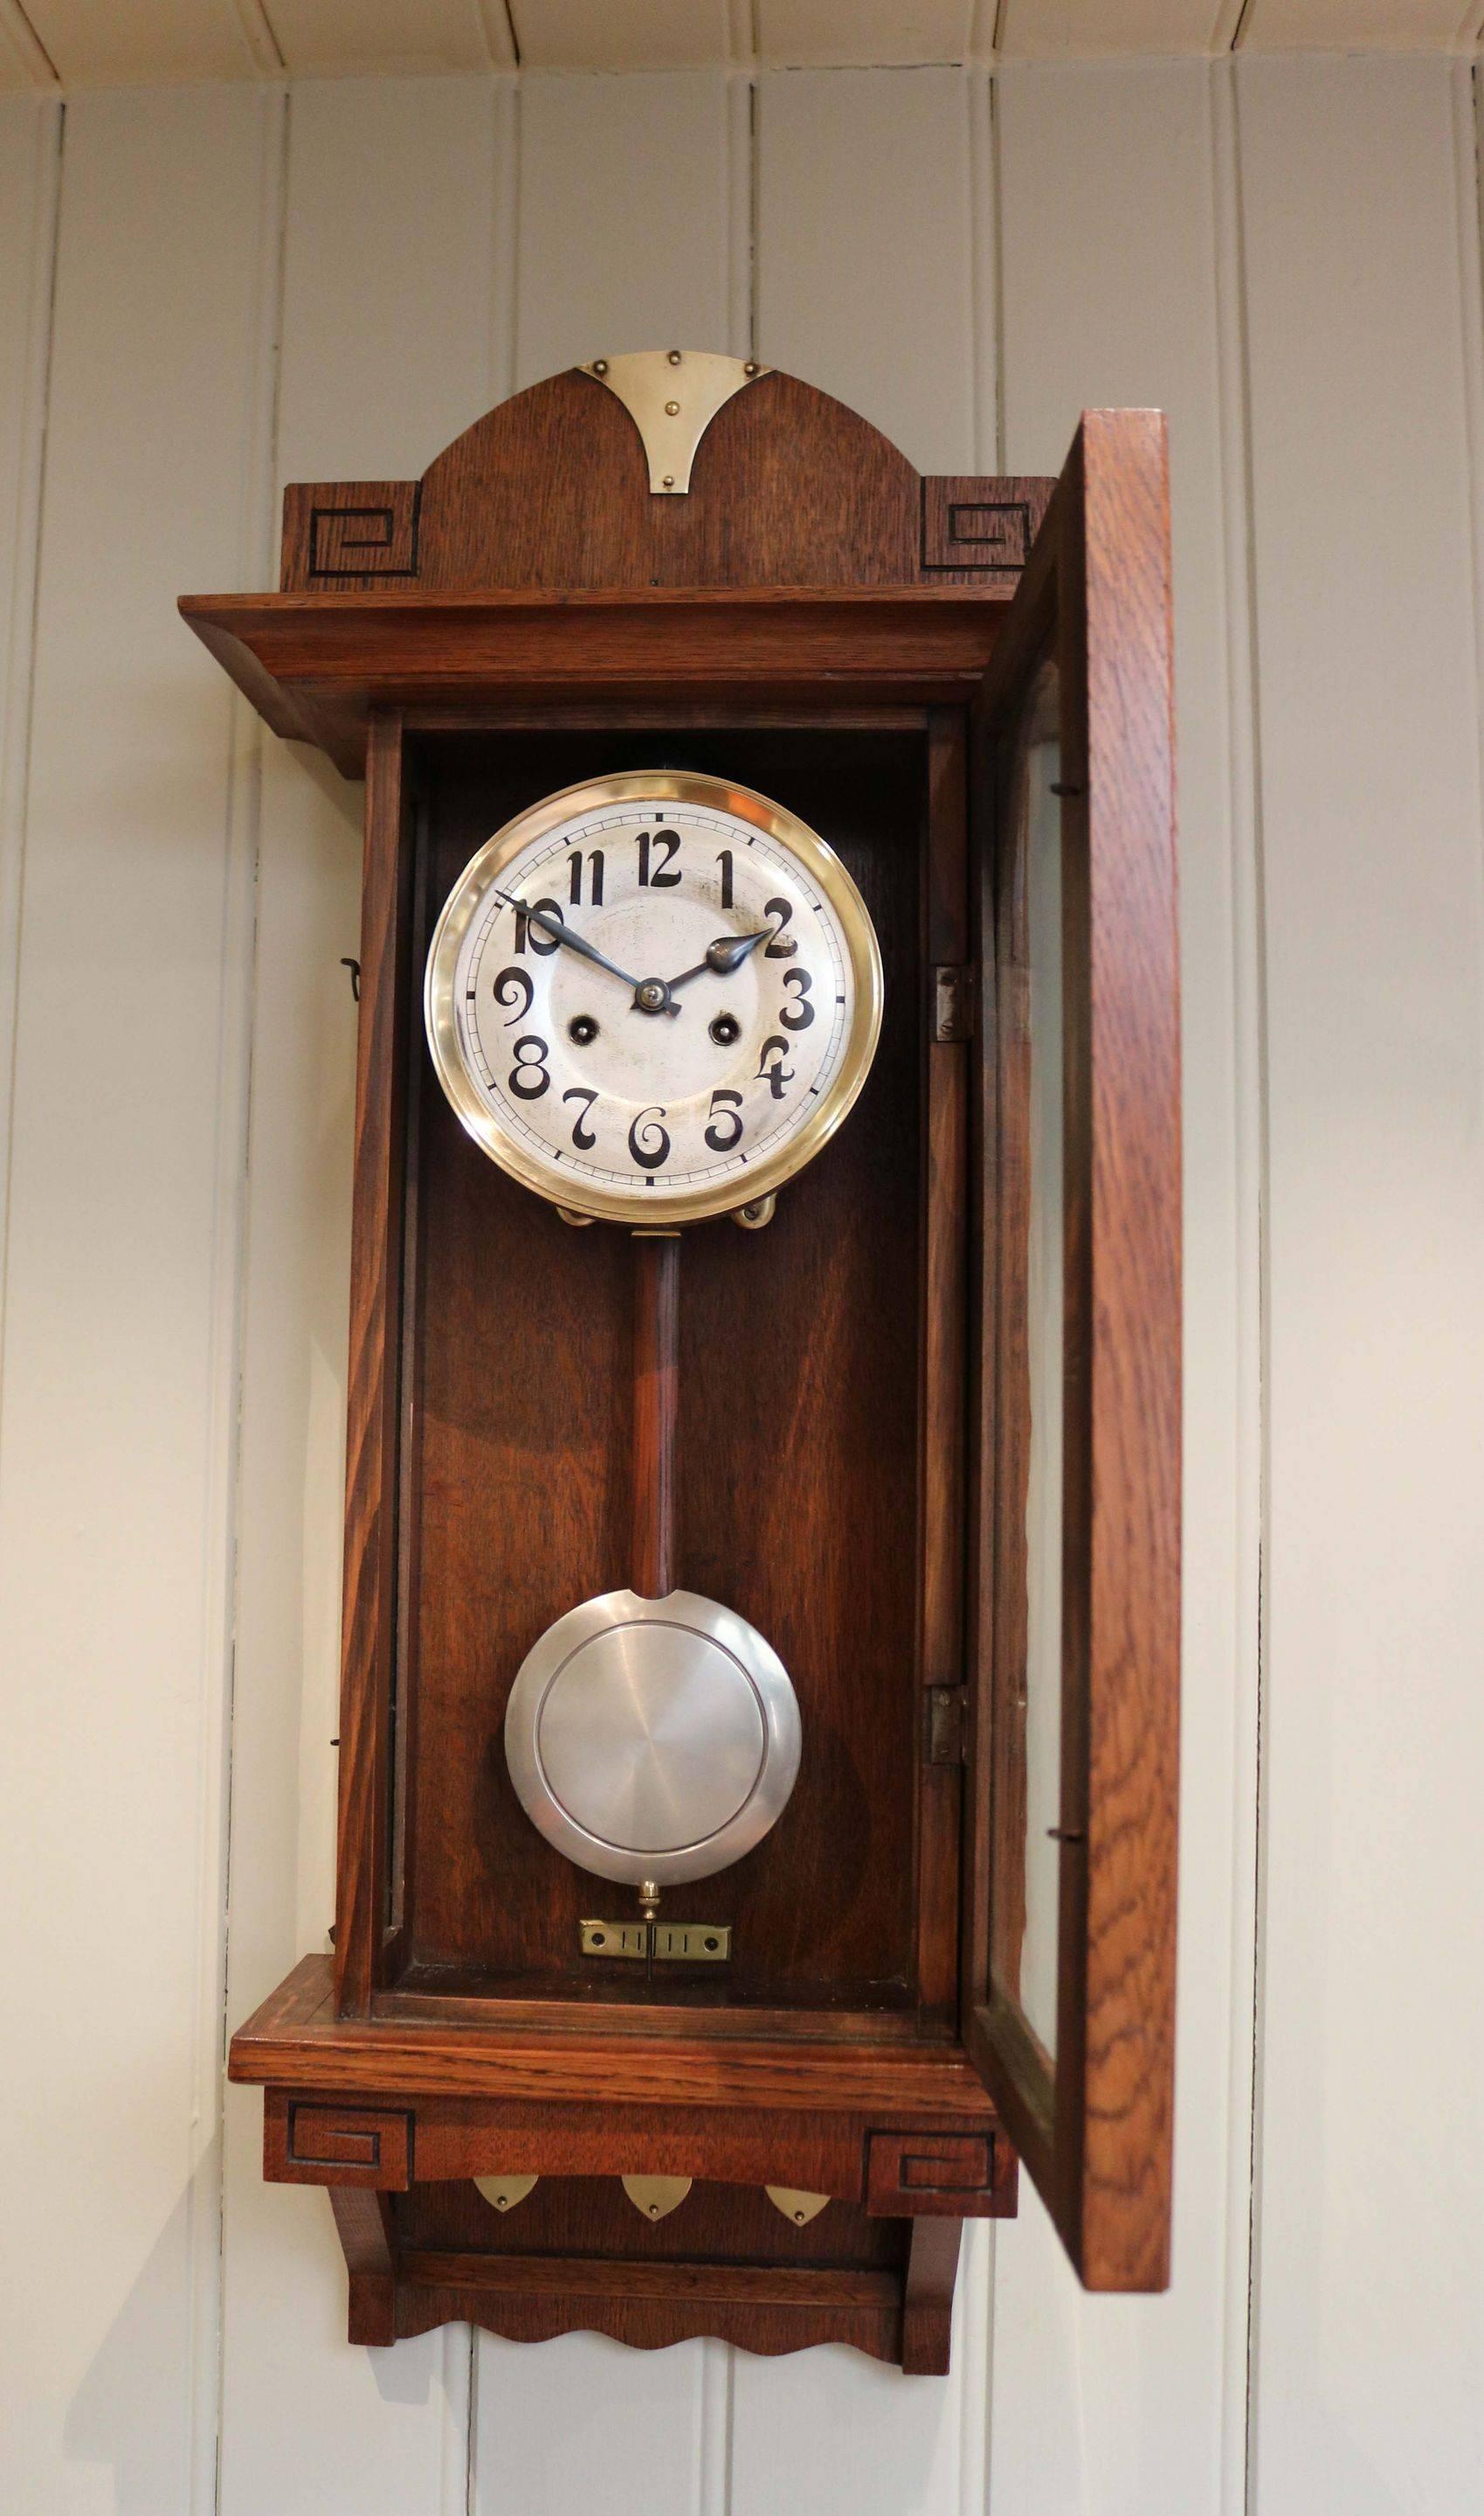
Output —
(654, 996)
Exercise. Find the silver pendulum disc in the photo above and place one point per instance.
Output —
(652, 1739)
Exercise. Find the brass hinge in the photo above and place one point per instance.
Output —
(946, 1725)
(953, 1008)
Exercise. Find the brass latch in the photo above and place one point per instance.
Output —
(692, 1943)
(668, 1943)
(613, 1939)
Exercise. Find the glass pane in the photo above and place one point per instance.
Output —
(1044, 1278)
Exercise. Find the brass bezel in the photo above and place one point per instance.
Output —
(658, 786)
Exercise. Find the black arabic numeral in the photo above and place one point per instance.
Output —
(529, 1077)
(776, 1075)
(651, 865)
(513, 987)
(594, 877)
(533, 935)
(724, 859)
(653, 1155)
(726, 1110)
(798, 1017)
(777, 951)
(582, 1134)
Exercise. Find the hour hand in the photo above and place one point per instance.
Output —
(725, 954)
(564, 934)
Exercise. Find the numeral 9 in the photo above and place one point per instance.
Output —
(513, 987)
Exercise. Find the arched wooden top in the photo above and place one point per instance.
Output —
(550, 490)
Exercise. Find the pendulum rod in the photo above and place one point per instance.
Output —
(656, 1408)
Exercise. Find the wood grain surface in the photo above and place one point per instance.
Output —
(932, 2268)
(798, 1440)
(316, 665)
(809, 553)
(373, 1388)
(576, 2254)
(551, 489)
(654, 1472)
(1096, 2127)
(296, 2040)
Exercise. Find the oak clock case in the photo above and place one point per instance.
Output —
(914, 1430)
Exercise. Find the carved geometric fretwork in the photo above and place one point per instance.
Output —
(308, 2142)
(980, 529)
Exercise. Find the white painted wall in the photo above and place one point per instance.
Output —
(205, 292)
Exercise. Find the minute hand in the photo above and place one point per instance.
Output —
(726, 954)
(563, 933)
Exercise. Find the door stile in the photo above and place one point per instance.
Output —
(373, 1378)
(945, 1149)
(1089, 637)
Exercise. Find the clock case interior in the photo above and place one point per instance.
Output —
(802, 1466)
(813, 618)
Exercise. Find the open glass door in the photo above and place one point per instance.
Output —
(1070, 2002)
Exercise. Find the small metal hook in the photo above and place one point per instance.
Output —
(354, 967)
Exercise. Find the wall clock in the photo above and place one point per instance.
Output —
(757, 1766)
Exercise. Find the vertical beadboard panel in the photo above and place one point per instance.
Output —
(121, 1334)
(1369, 2383)
(579, 2424)
(392, 285)
(1108, 240)
(625, 191)
(865, 277)
(875, 252)
(865, 255)
(31, 132)
(840, 2435)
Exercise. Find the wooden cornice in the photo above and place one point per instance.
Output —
(316, 665)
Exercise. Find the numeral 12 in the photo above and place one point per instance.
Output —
(657, 879)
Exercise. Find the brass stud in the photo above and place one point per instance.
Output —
(599, 367)
(654, 2197)
(674, 408)
(669, 480)
(799, 2207)
(504, 2192)
(674, 357)
(750, 367)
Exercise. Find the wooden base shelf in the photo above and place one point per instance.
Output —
(397, 2118)
(555, 2052)
(896, 2306)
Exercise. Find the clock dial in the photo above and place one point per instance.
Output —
(653, 996)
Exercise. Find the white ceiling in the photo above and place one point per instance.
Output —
(80, 43)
